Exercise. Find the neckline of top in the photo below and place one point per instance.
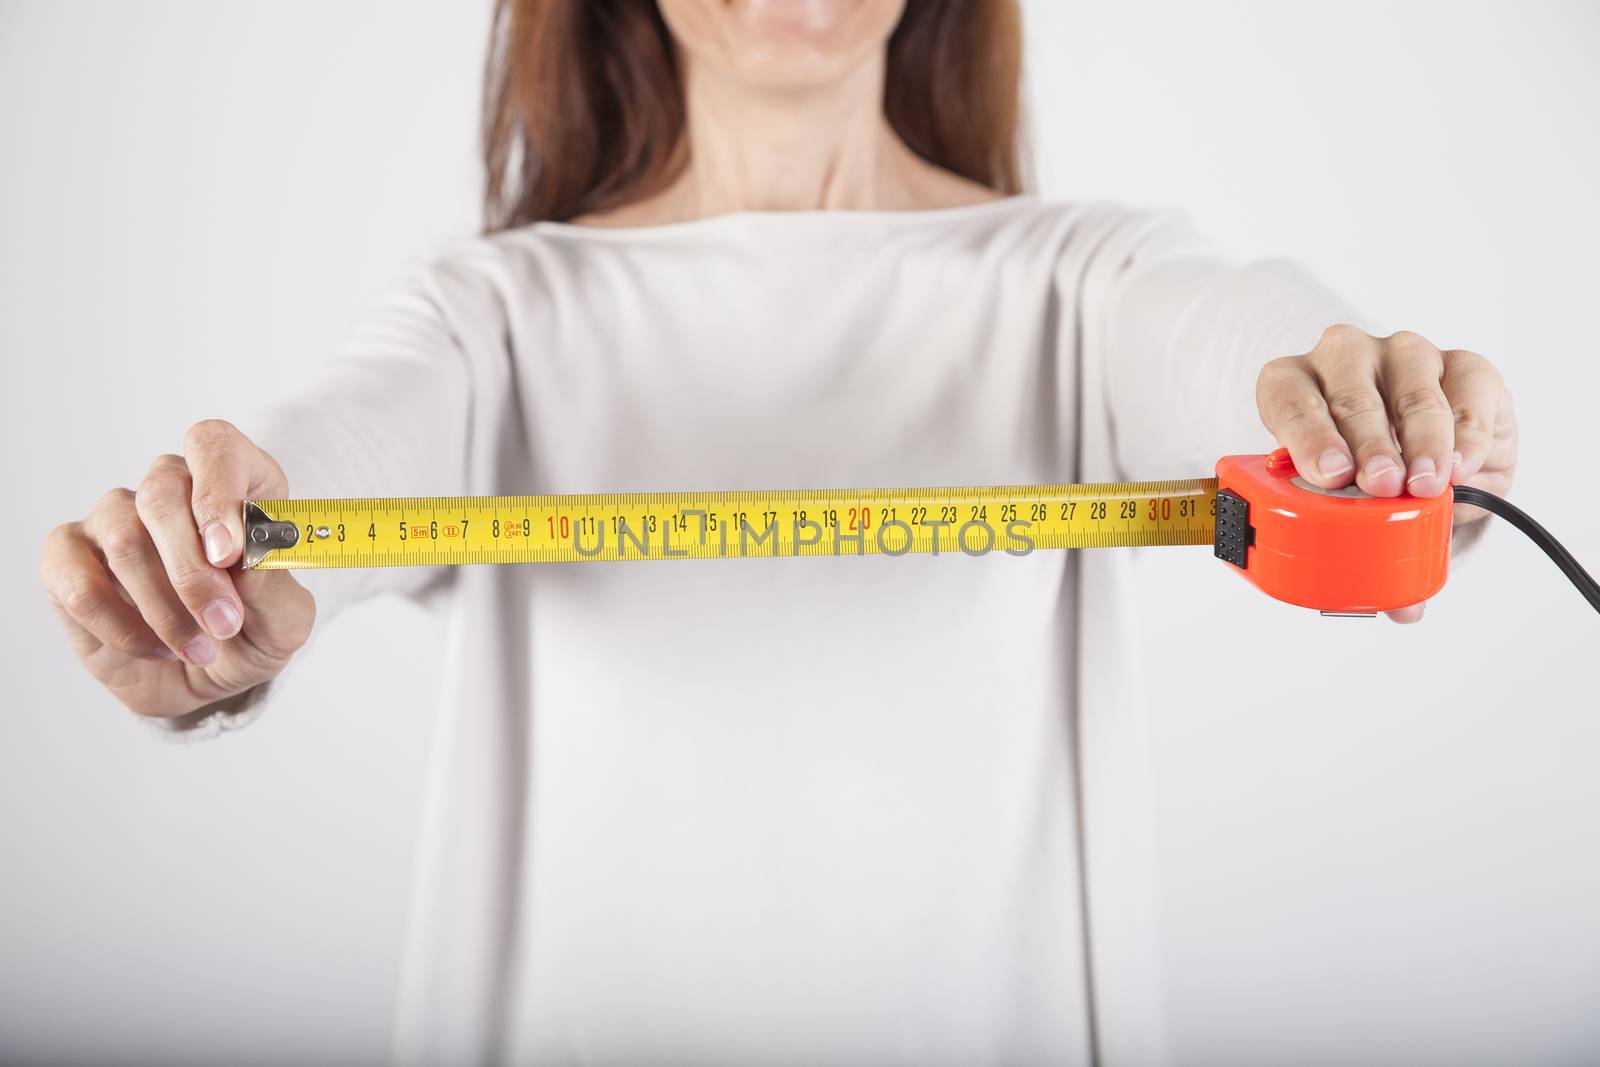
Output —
(811, 220)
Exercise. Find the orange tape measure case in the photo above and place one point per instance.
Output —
(1341, 551)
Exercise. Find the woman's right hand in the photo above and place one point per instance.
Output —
(144, 588)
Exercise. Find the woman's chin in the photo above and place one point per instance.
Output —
(783, 44)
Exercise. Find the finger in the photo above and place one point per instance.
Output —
(163, 502)
(1292, 407)
(1346, 365)
(1409, 615)
(227, 468)
(1411, 369)
(84, 593)
(84, 644)
(279, 611)
(115, 528)
(1490, 479)
(1503, 453)
(1495, 473)
(1473, 390)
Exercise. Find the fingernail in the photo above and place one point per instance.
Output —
(200, 651)
(1380, 467)
(221, 618)
(219, 542)
(1455, 459)
(164, 653)
(1420, 469)
(1333, 463)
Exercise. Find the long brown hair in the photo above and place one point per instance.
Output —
(583, 108)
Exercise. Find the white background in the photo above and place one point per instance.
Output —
(1379, 843)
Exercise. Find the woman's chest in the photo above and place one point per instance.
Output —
(739, 379)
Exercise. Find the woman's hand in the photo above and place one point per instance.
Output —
(143, 587)
(1393, 414)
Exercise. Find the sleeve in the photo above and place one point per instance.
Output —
(1186, 335)
(1170, 339)
(389, 415)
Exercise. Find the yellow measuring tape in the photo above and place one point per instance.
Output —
(975, 520)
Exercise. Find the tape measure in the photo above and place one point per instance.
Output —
(1341, 552)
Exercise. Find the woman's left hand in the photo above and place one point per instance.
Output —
(1393, 414)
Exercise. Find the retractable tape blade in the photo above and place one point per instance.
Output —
(1341, 552)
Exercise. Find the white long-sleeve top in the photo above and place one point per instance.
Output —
(821, 810)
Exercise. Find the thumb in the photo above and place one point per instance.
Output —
(278, 611)
(1409, 614)
(226, 468)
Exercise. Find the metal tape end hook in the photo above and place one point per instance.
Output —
(263, 533)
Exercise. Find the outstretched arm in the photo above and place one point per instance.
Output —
(1198, 350)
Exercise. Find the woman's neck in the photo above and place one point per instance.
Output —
(750, 149)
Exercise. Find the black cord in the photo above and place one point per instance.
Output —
(1508, 511)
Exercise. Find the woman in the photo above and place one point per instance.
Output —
(799, 809)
